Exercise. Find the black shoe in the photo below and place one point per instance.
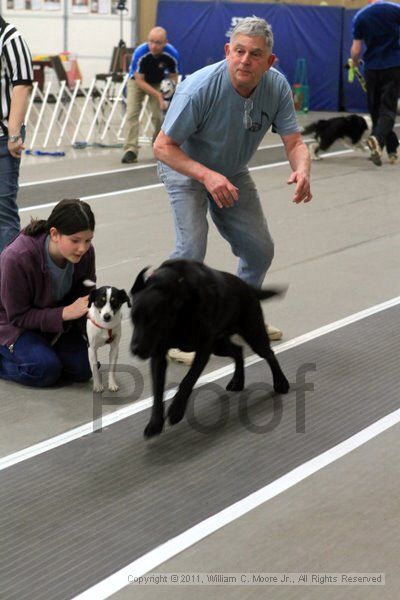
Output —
(129, 157)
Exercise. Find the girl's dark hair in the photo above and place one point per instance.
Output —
(68, 217)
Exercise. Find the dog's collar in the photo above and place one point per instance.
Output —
(110, 335)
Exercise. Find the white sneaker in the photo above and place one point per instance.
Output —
(274, 333)
(186, 358)
(376, 150)
(393, 158)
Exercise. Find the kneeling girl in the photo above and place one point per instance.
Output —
(41, 297)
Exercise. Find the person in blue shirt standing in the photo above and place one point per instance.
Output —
(378, 26)
(214, 125)
(152, 62)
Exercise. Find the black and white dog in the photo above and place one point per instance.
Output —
(351, 129)
(167, 88)
(103, 326)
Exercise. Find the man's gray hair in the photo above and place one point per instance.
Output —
(254, 26)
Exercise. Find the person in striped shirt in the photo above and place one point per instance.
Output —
(16, 75)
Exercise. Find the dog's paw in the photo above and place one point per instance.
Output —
(153, 428)
(113, 387)
(176, 412)
(236, 384)
(98, 387)
(282, 386)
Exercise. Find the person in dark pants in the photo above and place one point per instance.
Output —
(41, 298)
(378, 27)
(16, 75)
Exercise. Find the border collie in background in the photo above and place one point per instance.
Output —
(351, 129)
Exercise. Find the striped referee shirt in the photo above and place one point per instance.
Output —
(15, 66)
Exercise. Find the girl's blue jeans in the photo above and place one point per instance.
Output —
(33, 361)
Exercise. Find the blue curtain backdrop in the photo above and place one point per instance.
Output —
(200, 29)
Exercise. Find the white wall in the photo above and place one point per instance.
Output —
(90, 36)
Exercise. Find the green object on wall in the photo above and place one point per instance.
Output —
(300, 88)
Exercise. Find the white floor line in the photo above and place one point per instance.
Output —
(151, 165)
(174, 546)
(158, 185)
(146, 166)
(95, 196)
(286, 162)
(91, 174)
(280, 145)
(139, 406)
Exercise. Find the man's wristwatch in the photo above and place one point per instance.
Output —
(14, 138)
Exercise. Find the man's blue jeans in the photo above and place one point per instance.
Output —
(244, 225)
(9, 173)
(34, 362)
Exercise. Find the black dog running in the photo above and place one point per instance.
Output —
(184, 304)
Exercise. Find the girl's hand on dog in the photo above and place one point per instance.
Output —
(76, 310)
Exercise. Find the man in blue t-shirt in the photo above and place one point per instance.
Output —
(152, 62)
(378, 26)
(214, 125)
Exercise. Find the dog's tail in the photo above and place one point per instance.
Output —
(266, 293)
(309, 129)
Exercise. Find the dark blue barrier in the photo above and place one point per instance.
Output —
(200, 29)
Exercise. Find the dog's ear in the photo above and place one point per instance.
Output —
(92, 297)
(88, 283)
(140, 282)
(123, 297)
